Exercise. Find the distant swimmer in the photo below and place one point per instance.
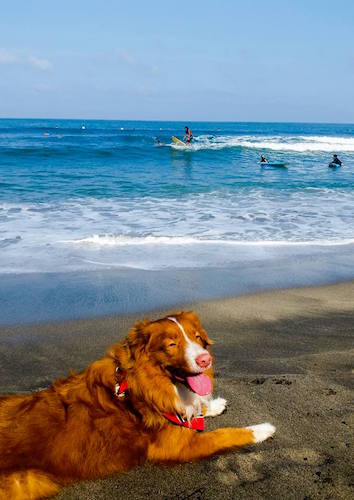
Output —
(263, 159)
(158, 143)
(335, 161)
(188, 136)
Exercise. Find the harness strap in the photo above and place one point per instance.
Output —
(196, 424)
(120, 389)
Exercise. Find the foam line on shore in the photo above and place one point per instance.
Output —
(121, 240)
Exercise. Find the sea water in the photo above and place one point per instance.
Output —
(106, 195)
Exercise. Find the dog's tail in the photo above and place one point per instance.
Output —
(27, 485)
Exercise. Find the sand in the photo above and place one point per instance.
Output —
(283, 356)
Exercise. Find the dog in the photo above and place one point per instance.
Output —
(145, 400)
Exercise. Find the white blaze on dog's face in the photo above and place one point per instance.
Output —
(180, 343)
(197, 357)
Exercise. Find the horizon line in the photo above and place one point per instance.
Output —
(175, 121)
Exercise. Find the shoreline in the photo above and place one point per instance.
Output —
(283, 356)
(260, 296)
(98, 293)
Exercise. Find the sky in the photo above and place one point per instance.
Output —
(207, 60)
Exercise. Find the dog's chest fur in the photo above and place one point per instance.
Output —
(191, 403)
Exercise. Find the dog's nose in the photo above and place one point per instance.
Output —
(203, 360)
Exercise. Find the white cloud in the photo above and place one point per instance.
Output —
(8, 57)
(39, 63)
(23, 59)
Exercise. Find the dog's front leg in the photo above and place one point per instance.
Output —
(174, 444)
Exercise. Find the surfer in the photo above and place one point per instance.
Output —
(263, 159)
(188, 136)
(336, 160)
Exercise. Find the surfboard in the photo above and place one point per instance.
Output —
(273, 164)
(334, 165)
(177, 141)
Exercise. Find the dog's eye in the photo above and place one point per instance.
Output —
(198, 337)
(171, 344)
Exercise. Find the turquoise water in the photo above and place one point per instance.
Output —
(74, 198)
(100, 220)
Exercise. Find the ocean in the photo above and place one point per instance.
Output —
(102, 196)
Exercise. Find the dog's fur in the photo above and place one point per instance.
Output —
(80, 429)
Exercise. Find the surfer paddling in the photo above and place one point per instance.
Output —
(336, 161)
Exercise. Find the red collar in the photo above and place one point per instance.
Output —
(196, 424)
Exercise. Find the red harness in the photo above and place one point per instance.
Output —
(196, 424)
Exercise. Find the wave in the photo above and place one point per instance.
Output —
(246, 216)
(111, 240)
(116, 145)
(68, 151)
(301, 144)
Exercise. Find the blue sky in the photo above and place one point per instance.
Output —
(194, 60)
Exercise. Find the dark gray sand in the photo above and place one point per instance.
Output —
(285, 357)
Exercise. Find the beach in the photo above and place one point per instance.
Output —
(100, 228)
(155, 161)
(283, 356)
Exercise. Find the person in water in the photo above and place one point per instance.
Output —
(188, 136)
(263, 159)
(336, 160)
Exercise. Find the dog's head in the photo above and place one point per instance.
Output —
(177, 344)
(152, 358)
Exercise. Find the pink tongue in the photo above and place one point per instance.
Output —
(200, 384)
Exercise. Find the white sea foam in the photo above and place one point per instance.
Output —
(198, 230)
(300, 144)
(110, 240)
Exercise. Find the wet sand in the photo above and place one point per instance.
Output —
(283, 356)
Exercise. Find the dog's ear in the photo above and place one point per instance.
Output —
(139, 336)
(125, 353)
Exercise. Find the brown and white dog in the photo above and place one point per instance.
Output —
(145, 400)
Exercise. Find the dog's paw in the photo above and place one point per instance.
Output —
(216, 407)
(261, 432)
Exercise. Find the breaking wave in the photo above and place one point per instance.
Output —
(300, 144)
